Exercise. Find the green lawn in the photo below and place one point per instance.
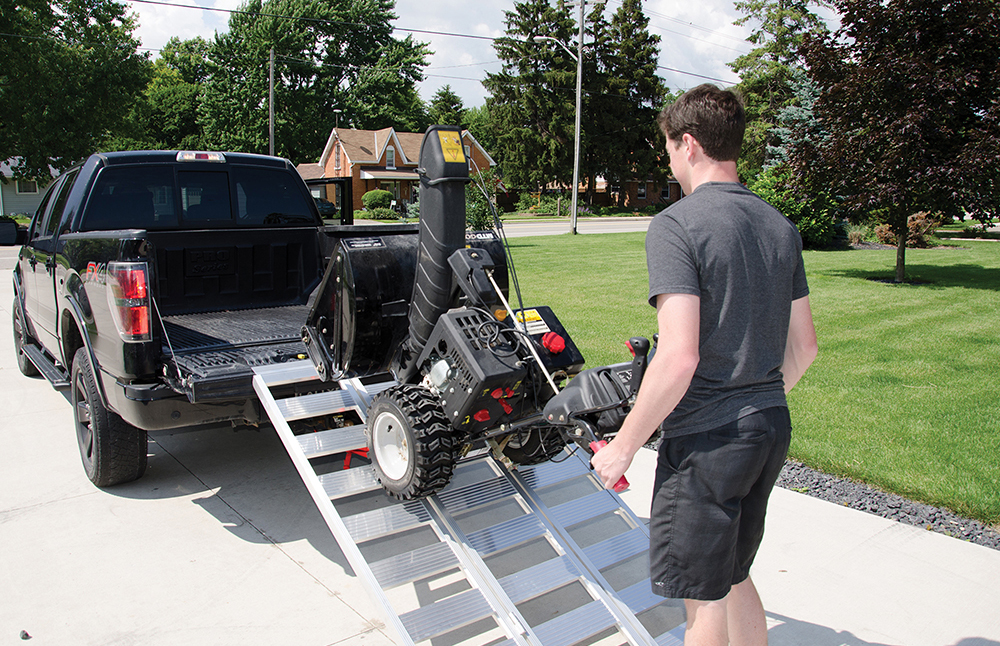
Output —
(904, 392)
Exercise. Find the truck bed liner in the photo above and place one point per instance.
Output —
(234, 329)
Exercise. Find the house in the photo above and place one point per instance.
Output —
(380, 159)
(19, 195)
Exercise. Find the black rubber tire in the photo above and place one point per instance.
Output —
(24, 364)
(425, 458)
(112, 450)
(534, 447)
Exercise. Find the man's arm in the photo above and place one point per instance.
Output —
(801, 347)
(666, 380)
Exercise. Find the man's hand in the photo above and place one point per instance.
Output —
(611, 462)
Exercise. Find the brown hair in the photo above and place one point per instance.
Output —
(712, 116)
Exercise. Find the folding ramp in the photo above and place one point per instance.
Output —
(538, 556)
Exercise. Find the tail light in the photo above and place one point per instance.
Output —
(128, 297)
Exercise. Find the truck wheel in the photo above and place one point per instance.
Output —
(535, 446)
(24, 364)
(410, 442)
(113, 451)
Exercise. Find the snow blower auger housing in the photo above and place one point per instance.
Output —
(432, 309)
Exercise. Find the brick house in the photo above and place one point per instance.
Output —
(380, 159)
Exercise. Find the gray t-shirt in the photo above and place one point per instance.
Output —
(743, 259)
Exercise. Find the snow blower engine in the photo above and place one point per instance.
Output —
(471, 371)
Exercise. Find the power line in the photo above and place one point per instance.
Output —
(415, 31)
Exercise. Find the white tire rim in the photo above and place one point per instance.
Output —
(392, 448)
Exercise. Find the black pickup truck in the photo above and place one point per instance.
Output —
(151, 283)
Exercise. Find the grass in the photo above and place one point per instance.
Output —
(903, 394)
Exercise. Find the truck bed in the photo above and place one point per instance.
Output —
(221, 348)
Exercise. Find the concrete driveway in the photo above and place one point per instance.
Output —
(219, 543)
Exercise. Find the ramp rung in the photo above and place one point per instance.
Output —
(279, 374)
(506, 534)
(335, 440)
(379, 522)
(673, 637)
(639, 597)
(421, 562)
(618, 548)
(549, 473)
(348, 482)
(575, 625)
(440, 617)
(539, 579)
(474, 495)
(585, 508)
(316, 404)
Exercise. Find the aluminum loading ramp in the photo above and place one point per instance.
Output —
(539, 556)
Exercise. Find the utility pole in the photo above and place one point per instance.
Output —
(576, 143)
(270, 108)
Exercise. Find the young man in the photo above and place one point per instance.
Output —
(736, 334)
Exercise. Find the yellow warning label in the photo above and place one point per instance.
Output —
(528, 316)
(451, 146)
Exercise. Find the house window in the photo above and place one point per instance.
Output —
(27, 186)
(468, 155)
(390, 157)
(640, 192)
(336, 157)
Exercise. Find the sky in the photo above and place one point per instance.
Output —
(698, 37)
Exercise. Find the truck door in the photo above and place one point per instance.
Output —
(43, 310)
(31, 260)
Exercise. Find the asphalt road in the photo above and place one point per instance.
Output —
(522, 228)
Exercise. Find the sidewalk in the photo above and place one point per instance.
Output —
(219, 543)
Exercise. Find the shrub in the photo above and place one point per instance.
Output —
(919, 226)
(382, 213)
(478, 214)
(858, 233)
(547, 203)
(813, 212)
(377, 199)
(413, 210)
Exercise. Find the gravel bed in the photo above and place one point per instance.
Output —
(797, 477)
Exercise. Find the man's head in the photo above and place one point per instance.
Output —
(714, 117)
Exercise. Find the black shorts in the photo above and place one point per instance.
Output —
(709, 499)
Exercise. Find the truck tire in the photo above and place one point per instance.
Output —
(112, 450)
(24, 364)
(409, 442)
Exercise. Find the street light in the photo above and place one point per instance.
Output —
(579, 93)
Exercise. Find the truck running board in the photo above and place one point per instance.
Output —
(53, 373)
(539, 556)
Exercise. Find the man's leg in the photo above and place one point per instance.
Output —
(738, 619)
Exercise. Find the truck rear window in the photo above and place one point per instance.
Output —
(156, 197)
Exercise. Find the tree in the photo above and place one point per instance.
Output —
(625, 136)
(447, 109)
(479, 123)
(766, 72)
(328, 55)
(531, 100)
(70, 73)
(910, 93)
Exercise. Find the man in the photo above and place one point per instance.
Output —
(735, 335)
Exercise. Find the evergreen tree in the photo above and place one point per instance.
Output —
(328, 55)
(766, 71)
(625, 123)
(447, 109)
(532, 101)
(479, 123)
